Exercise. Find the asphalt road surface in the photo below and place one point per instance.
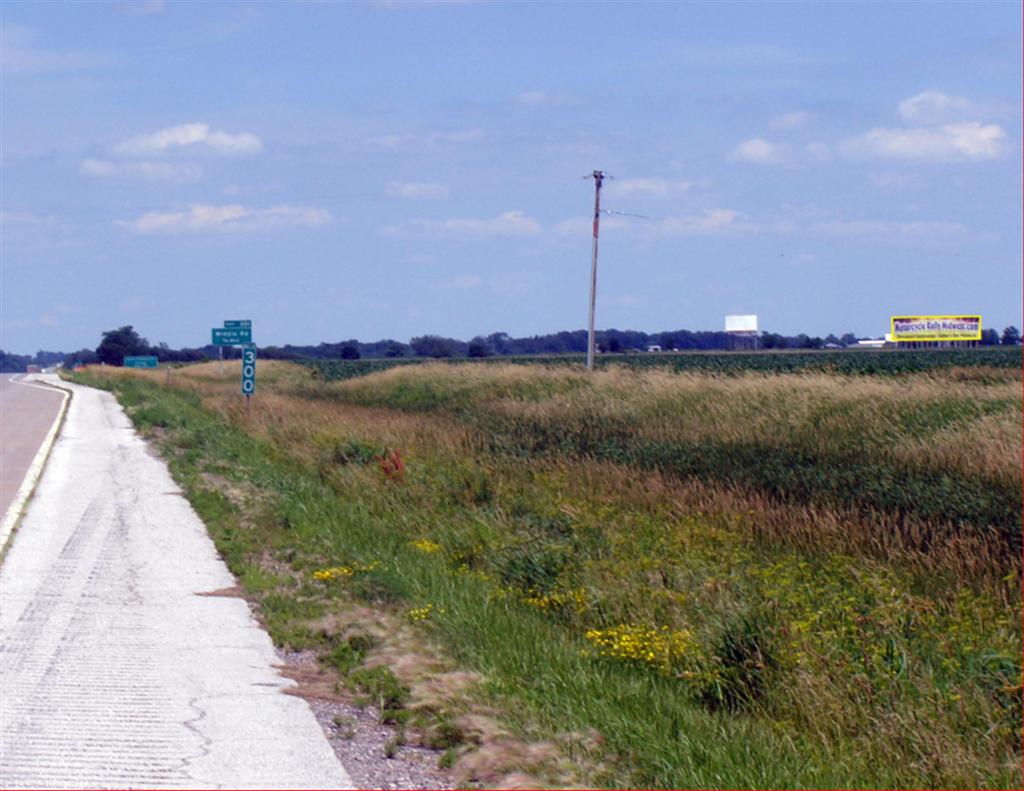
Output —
(114, 672)
(26, 414)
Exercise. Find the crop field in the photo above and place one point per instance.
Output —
(852, 362)
(646, 576)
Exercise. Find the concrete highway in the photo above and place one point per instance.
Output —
(27, 413)
(114, 671)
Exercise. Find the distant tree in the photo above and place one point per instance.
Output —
(81, 357)
(120, 343)
(499, 341)
(1011, 336)
(394, 349)
(989, 338)
(46, 359)
(350, 352)
(668, 342)
(433, 346)
(848, 339)
(13, 363)
(614, 345)
(478, 348)
(830, 338)
(772, 340)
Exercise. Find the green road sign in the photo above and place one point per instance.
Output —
(238, 324)
(140, 362)
(231, 336)
(249, 369)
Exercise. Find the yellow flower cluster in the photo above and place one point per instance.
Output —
(557, 600)
(664, 648)
(324, 575)
(427, 546)
(422, 613)
(340, 572)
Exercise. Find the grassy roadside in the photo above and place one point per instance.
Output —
(938, 454)
(639, 628)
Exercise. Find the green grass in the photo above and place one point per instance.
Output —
(799, 669)
(809, 442)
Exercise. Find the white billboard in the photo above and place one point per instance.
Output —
(741, 323)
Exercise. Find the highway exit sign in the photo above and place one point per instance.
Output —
(238, 324)
(140, 362)
(231, 336)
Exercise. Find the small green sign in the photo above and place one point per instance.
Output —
(249, 369)
(238, 324)
(140, 362)
(231, 336)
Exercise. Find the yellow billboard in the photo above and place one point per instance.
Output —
(936, 328)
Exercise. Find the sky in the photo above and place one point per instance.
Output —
(390, 169)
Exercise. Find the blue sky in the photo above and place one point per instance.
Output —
(389, 169)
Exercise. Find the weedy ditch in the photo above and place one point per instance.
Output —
(594, 620)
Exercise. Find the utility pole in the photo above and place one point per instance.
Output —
(598, 176)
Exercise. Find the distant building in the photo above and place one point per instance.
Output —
(654, 348)
(742, 331)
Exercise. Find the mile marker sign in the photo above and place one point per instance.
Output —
(248, 369)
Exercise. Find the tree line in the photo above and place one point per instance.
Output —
(125, 341)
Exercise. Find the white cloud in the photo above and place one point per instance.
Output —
(818, 151)
(707, 222)
(964, 142)
(740, 56)
(201, 217)
(510, 223)
(544, 99)
(789, 121)
(935, 107)
(20, 55)
(710, 221)
(162, 171)
(651, 186)
(890, 179)
(416, 189)
(889, 229)
(141, 7)
(24, 218)
(584, 226)
(533, 98)
(760, 152)
(393, 141)
(185, 135)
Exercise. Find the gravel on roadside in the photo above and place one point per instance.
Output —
(360, 740)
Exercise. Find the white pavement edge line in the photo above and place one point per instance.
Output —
(17, 507)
